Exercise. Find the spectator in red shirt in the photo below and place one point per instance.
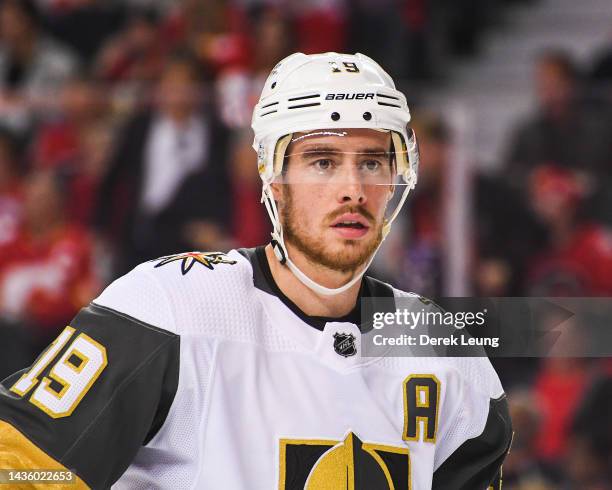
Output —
(578, 258)
(250, 225)
(239, 84)
(137, 53)
(313, 17)
(559, 387)
(46, 271)
(76, 144)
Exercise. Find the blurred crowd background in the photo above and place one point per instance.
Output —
(124, 136)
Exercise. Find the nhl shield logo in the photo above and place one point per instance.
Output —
(344, 344)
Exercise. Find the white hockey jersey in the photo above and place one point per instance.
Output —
(194, 371)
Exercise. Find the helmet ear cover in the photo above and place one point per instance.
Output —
(279, 153)
(399, 148)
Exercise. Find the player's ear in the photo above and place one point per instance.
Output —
(277, 191)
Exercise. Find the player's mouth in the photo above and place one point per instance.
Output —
(351, 226)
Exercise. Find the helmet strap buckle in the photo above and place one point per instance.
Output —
(279, 252)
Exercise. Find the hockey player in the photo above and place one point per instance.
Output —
(243, 370)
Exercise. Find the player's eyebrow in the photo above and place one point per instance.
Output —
(318, 150)
(374, 151)
(330, 150)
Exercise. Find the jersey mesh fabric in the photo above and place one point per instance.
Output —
(168, 460)
(221, 304)
(139, 295)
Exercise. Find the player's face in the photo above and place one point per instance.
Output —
(337, 186)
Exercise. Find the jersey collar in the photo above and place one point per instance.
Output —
(264, 280)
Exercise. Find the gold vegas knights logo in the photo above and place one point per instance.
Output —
(342, 465)
(189, 259)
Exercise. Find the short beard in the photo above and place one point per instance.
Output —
(315, 252)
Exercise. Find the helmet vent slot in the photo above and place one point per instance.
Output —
(269, 105)
(389, 105)
(303, 105)
(388, 96)
(303, 97)
(269, 112)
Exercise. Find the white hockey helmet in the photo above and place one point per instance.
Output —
(326, 91)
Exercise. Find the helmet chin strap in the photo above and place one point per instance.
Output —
(280, 249)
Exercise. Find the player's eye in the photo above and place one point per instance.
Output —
(323, 164)
(371, 165)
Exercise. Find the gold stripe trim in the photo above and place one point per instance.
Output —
(17, 452)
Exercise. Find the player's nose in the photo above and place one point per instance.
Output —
(351, 187)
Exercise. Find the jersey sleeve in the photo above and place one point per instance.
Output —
(99, 392)
(478, 431)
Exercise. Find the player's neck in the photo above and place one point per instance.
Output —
(305, 298)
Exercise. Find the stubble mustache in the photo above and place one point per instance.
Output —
(351, 209)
